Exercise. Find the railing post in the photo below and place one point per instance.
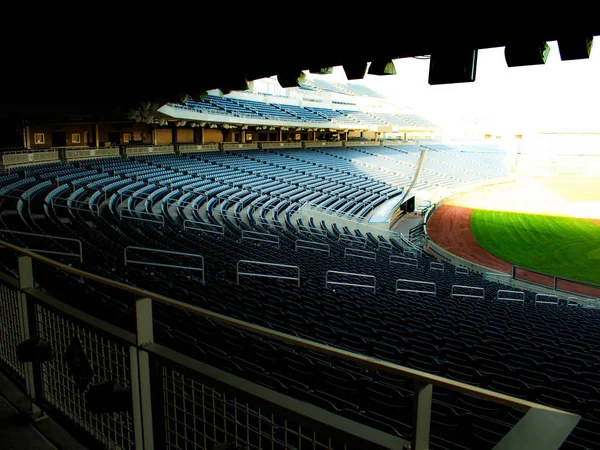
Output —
(25, 282)
(140, 376)
(421, 416)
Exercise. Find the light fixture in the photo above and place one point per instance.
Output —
(355, 70)
(527, 53)
(382, 67)
(453, 66)
(575, 47)
(293, 78)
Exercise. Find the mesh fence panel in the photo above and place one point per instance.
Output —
(198, 416)
(10, 330)
(83, 358)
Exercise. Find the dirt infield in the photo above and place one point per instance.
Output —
(450, 228)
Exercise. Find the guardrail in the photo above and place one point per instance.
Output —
(156, 251)
(124, 390)
(90, 153)
(187, 148)
(36, 236)
(148, 150)
(25, 157)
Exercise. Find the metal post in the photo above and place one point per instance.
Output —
(421, 416)
(27, 137)
(97, 136)
(25, 282)
(140, 376)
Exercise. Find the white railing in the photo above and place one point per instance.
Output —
(405, 281)
(156, 251)
(312, 245)
(467, 291)
(360, 276)
(238, 273)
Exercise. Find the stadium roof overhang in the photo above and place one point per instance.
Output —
(109, 84)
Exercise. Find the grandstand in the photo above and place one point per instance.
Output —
(236, 269)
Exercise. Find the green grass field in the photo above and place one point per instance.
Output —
(560, 246)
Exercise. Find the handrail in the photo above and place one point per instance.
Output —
(363, 360)
(365, 254)
(260, 237)
(469, 289)
(168, 252)
(548, 299)
(206, 227)
(261, 263)
(395, 259)
(48, 236)
(520, 297)
(342, 283)
(312, 245)
(425, 283)
(134, 215)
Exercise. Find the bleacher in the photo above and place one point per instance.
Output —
(389, 301)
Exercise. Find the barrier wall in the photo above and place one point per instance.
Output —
(20, 158)
(268, 145)
(232, 146)
(186, 148)
(89, 153)
(149, 150)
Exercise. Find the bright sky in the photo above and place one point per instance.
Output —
(565, 93)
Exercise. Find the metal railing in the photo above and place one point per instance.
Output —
(169, 400)
(349, 275)
(274, 266)
(35, 237)
(155, 252)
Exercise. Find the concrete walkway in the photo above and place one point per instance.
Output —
(19, 431)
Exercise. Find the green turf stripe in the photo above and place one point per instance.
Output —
(561, 246)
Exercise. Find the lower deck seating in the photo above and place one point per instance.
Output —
(544, 353)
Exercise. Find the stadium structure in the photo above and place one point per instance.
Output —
(261, 265)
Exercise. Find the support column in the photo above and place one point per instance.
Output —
(421, 416)
(27, 137)
(26, 282)
(140, 376)
(97, 135)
